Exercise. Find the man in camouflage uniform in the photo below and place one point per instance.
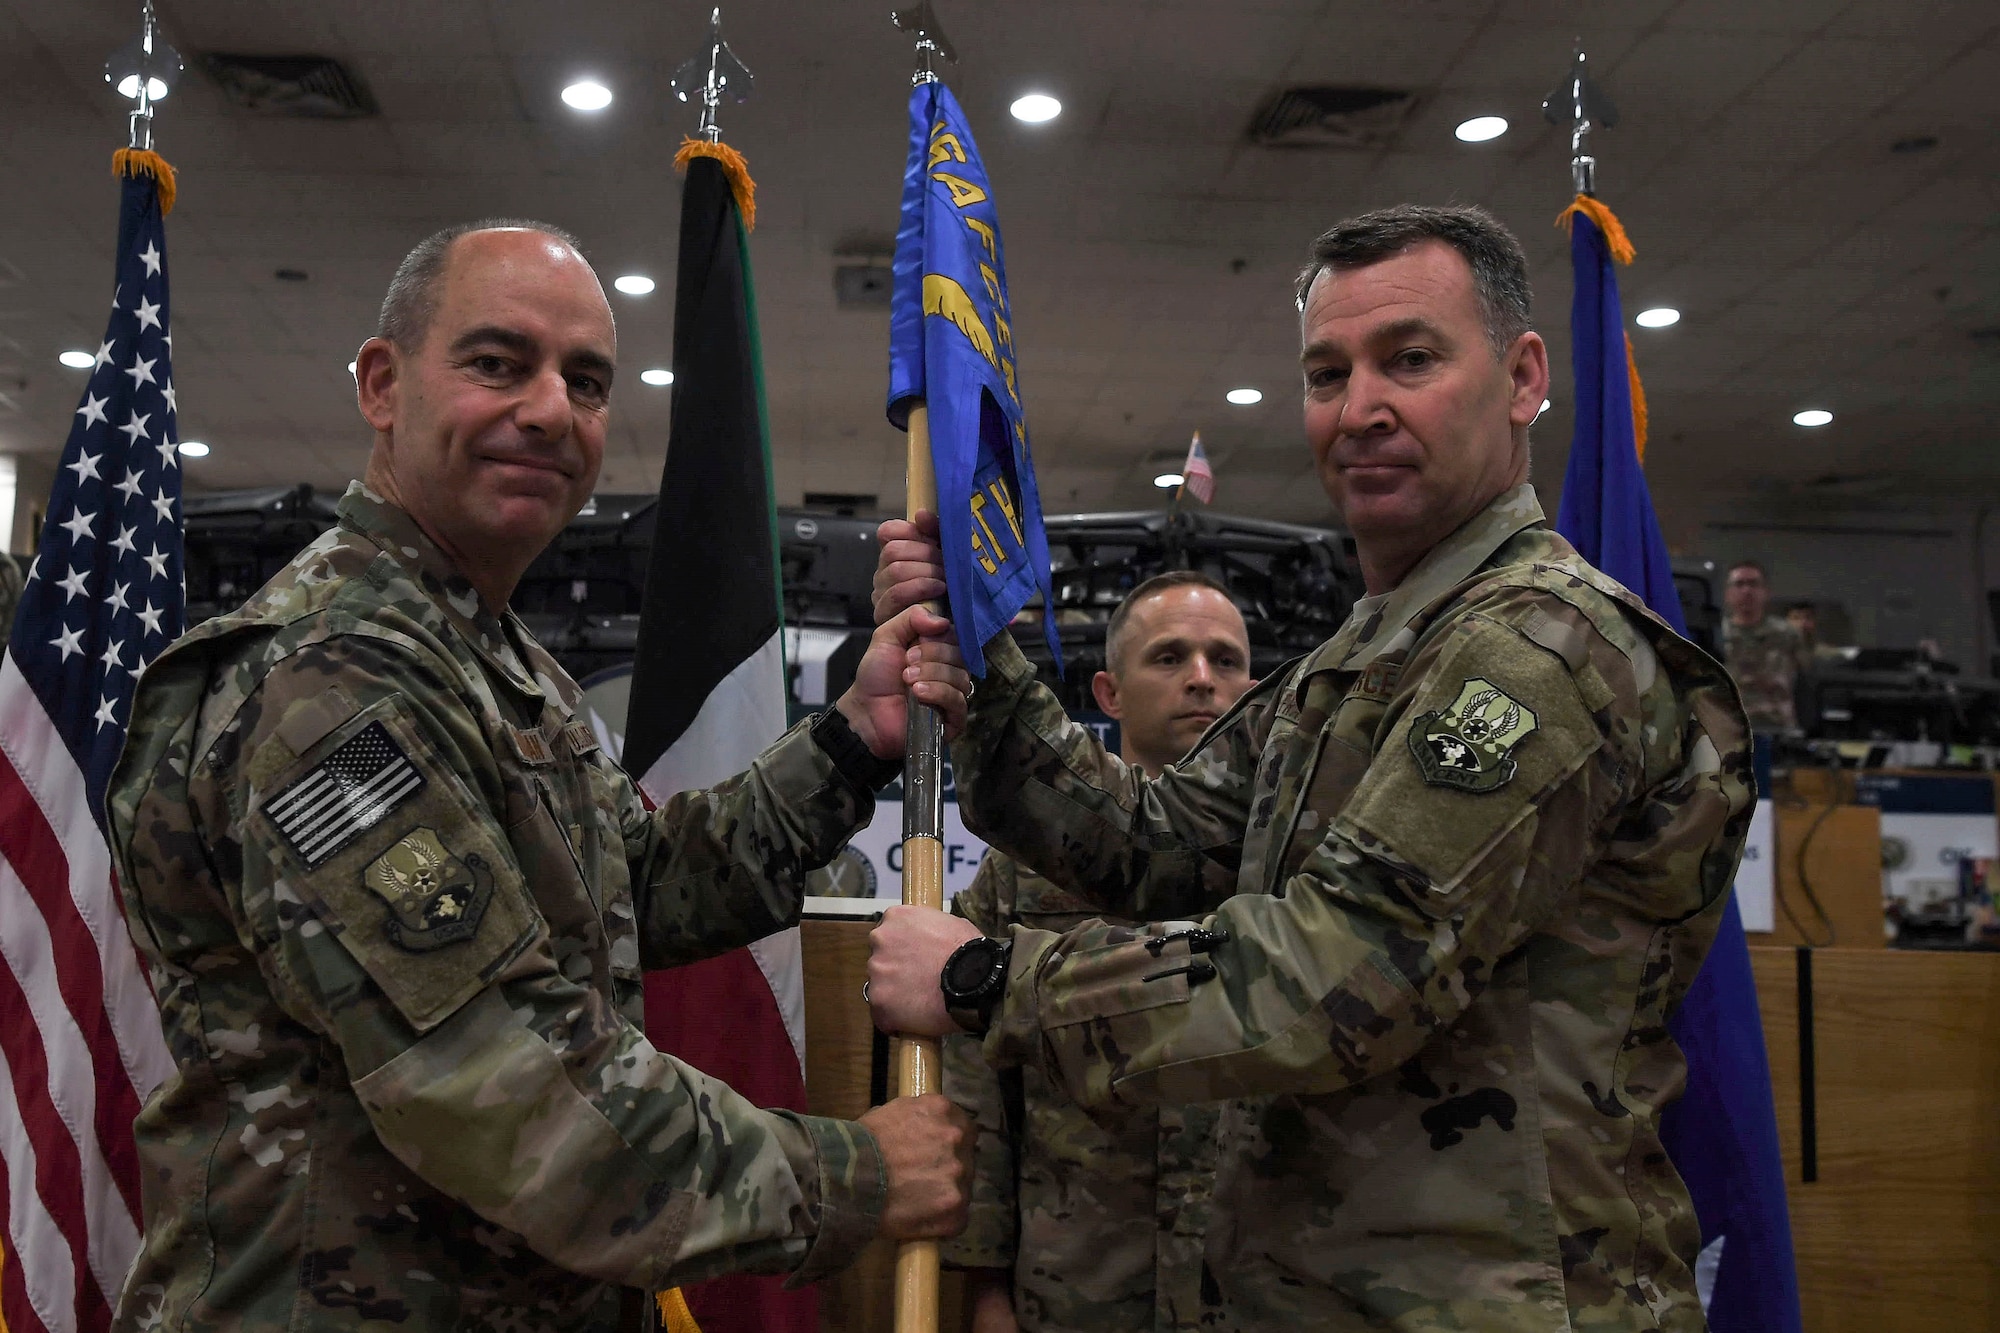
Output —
(1765, 652)
(396, 902)
(1482, 840)
(1081, 1222)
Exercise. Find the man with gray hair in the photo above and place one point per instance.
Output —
(397, 902)
(1482, 839)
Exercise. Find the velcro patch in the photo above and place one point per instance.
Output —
(344, 795)
(435, 897)
(1470, 744)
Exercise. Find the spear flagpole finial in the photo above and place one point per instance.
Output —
(145, 69)
(711, 73)
(1580, 104)
(932, 44)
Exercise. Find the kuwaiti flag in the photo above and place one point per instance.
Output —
(1723, 1132)
(708, 680)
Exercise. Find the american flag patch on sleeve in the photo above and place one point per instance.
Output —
(344, 795)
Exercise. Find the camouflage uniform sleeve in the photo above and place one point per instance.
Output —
(992, 1235)
(1045, 791)
(1393, 922)
(715, 869)
(405, 933)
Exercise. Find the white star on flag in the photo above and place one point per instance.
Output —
(85, 466)
(150, 257)
(167, 450)
(157, 562)
(74, 584)
(77, 524)
(110, 655)
(141, 371)
(106, 712)
(130, 486)
(69, 640)
(148, 314)
(135, 427)
(150, 617)
(92, 410)
(117, 600)
(123, 543)
(103, 357)
(168, 394)
(163, 505)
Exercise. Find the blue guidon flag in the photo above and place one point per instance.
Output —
(79, 1034)
(1723, 1132)
(951, 346)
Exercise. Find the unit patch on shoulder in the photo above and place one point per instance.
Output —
(344, 795)
(435, 898)
(1470, 745)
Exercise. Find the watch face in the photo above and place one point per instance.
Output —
(970, 968)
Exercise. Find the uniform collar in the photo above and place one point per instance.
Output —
(1381, 624)
(397, 534)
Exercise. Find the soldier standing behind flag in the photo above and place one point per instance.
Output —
(1087, 1223)
(1483, 839)
(397, 902)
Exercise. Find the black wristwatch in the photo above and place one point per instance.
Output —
(850, 754)
(974, 979)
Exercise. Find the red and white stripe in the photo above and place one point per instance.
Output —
(1196, 475)
(80, 1040)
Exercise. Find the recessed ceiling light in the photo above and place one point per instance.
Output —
(1659, 317)
(193, 449)
(587, 95)
(1036, 108)
(1812, 416)
(633, 284)
(1245, 397)
(1481, 128)
(129, 87)
(656, 376)
(1166, 481)
(77, 360)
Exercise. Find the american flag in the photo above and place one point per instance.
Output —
(80, 1042)
(1195, 473)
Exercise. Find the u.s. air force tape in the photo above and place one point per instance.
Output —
(344, 795)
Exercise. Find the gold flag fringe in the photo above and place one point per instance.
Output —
(136, 162)
(733, 166)
(1621, 250)
(675, 1316)
(1607, 222)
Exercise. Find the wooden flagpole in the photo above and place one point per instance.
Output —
(919, 1069)
(918, 1066)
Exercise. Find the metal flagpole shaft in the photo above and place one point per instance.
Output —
(918, 1066)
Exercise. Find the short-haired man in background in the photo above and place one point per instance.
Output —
(1483, 838)
(1765, 653)
(1081, 1222)
(397, 902)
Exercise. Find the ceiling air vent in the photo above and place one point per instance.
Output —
(1331, 117)
(311, 86)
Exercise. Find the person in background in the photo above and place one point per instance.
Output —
(1803, 616)
(1764, 653)
(1086, 1222)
